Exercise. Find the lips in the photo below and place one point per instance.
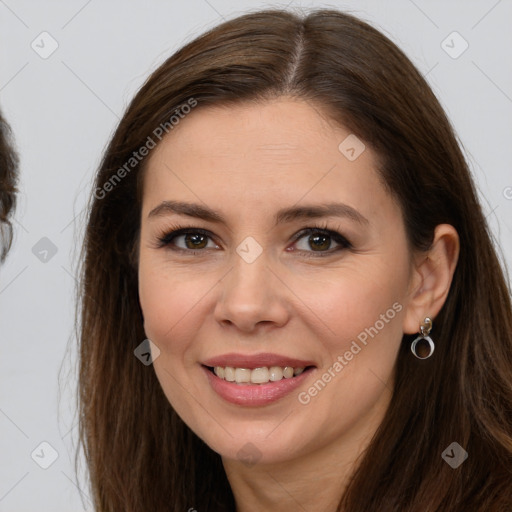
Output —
(256, 361)
(249, 394)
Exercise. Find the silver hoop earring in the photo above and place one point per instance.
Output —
(425, 329)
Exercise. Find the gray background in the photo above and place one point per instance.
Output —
(63, 109)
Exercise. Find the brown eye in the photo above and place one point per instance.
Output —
(314, 240)
(195, 240)
(186, 240)
(319, 242)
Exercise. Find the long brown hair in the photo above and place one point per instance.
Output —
(140, 454)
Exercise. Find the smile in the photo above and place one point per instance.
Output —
(257, 375)
(250, 394)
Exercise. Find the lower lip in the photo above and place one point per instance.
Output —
(254, 394)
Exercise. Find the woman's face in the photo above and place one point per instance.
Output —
(254, 291)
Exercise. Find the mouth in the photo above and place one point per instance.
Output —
(258, 386)
(257, 376)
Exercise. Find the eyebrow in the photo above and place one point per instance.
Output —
(284, 215)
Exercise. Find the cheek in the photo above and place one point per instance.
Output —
(363, 315)
(172, 299)
(364, 307)
(165, 302)
(356, 298)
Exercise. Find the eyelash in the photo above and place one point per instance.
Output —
(166, 238)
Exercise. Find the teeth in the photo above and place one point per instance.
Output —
(229, 373)
(261, 375)
(276, 373)
(288, 372)
(242, 375)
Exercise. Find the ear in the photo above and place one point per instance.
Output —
(431, 278)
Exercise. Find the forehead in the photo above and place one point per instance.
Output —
(252, 156)
(276, 130)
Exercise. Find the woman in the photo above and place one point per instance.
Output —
(8, 178)
(285, 226)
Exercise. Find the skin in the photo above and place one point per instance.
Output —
(247, 162)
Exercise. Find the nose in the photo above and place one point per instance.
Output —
(252, 296)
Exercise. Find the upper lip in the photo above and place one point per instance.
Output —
(256, 361)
